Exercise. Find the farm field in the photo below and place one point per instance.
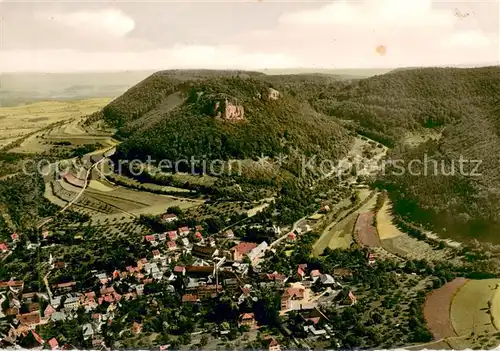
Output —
(365, 232)
(437, 309)
(339, 234)
(103, 199)
(470, 312)
(495, 309)
(18, 121)
(337, 237)
(401, 244)
(463, 311)
(385, 228)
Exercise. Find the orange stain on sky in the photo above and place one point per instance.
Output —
(381, 50)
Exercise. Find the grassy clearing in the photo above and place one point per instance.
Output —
(470, 308)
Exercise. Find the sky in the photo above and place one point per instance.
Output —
(79, 36)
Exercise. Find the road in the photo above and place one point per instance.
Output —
(283, 237)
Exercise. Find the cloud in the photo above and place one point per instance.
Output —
(371, 13)
(108, 21)
(468, 39)
(180, 56)
(339, 34)
(344, 34)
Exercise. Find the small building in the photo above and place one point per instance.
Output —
(326, 279)
(183, 230)
(172, 235)
(88, 331)
(247, 319)
(172, 246)
(291, 236)
(136, 328)
(273, 345)
(315, 274)
(241, 250)
(149, 238)
(258, 251)
(54, 345)
(180, 270)
(198, 236)
(4, 247)
(169, 217)
(205, 252)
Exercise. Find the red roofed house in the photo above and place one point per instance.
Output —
(179, 269)
(198, 236)
(136, 328)
(171, 245)
(31, 319)
(301, 271)
(241, 250)
(371, 258)
(352, 297)
(199, 228)
(247, 319)
(141, 263)
(315, 274)
(172, 234)
(4, 247)
(49, 310)
(149, 238)
(156, 254)
(298, 294)
(15, 236)
(169, 217)
(183, 230)
(276, 277)
(291, 236)
(273, 345)
(54, 345)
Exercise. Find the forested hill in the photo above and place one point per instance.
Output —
(388, 106)
(147, 94)
(191, 120)
(460, 109)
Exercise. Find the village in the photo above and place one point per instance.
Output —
(186, 262)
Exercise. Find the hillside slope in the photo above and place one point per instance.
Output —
(460, 107)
